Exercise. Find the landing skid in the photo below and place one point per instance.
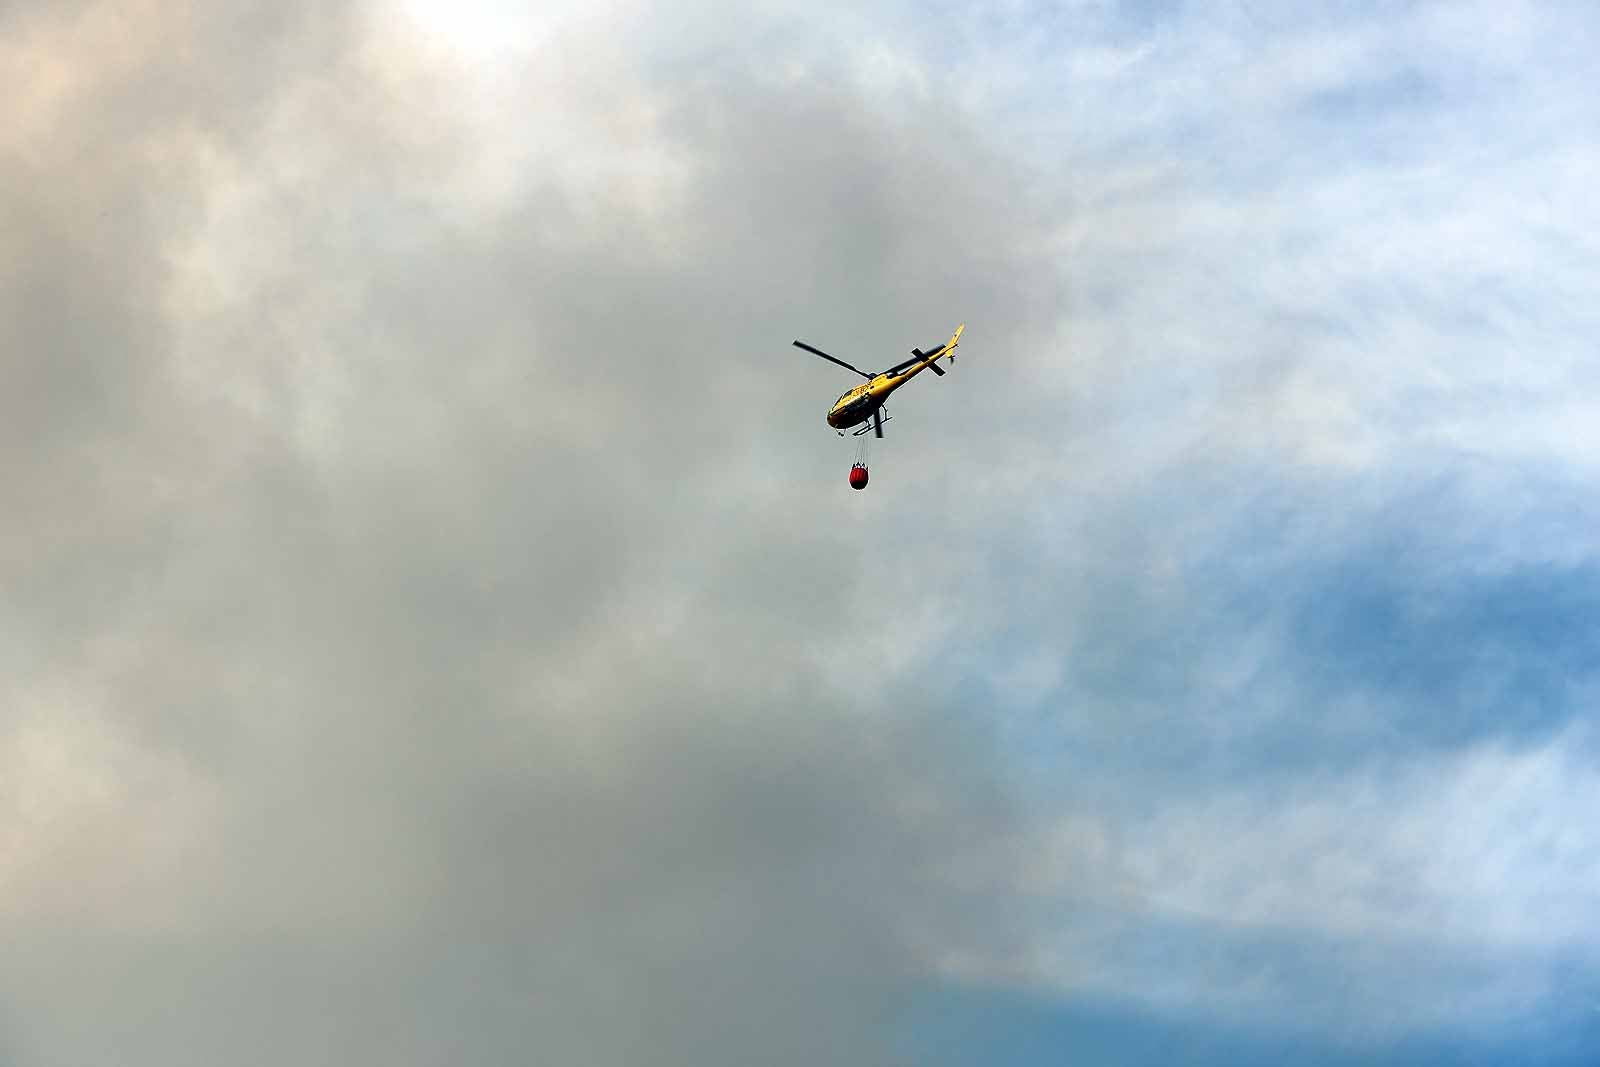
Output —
(876, 424)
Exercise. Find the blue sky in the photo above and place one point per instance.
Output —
(1024, 1030)
(1305, 649)
(441, 631)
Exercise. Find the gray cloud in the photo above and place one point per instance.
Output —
(421, 651)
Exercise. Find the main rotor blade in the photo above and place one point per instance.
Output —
(831, 359)
(877, 422)
(929, 357)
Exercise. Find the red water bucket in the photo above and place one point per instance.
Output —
(858, 476)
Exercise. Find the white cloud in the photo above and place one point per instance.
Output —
(1422, 891)
(1494, 846)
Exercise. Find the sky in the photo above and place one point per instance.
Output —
(438, 628)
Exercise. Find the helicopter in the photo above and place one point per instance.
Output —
(865, 402)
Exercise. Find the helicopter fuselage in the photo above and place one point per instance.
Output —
(857, 406)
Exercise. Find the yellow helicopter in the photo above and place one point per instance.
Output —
(865, 401)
